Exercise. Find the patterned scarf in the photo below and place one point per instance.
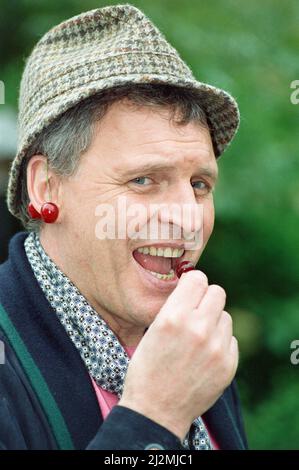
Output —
(99, 348)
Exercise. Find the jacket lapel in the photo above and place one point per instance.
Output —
(220, 420)
(49, 347)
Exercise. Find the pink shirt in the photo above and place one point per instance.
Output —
(108, 400)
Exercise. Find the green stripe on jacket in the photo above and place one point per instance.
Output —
(47, 400)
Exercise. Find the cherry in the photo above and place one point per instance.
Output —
(34, 214)
(49, 212)
(184, 267)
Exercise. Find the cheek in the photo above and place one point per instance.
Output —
(208, 221)
(79, 211)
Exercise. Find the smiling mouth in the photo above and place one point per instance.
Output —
(160, 261)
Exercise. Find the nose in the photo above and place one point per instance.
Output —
(182, 211)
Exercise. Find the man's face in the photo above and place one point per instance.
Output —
(136, 155)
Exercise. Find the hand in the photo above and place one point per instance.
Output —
(186, 359)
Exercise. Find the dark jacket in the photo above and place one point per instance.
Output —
(47, 400)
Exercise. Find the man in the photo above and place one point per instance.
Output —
(105, 348)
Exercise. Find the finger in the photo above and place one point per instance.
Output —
(225, 328)
(212, 304)
(187, 294)
(234, 352)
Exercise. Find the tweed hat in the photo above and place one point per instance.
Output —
(97, 50)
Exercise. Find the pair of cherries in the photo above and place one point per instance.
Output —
(48, 213)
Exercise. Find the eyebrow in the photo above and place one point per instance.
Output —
(155, 167)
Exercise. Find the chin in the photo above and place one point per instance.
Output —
(151, 314)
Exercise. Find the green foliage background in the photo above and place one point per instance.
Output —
(251, 50)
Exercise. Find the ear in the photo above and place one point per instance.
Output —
(40, 188)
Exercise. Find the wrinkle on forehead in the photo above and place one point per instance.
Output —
(126, 136)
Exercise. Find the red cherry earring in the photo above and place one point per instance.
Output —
(33, 212)
(49, 212)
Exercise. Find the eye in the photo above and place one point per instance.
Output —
(141, 180)
(201, 186)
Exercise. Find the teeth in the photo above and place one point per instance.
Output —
(166, 252)
(165, 277)
(152, 251)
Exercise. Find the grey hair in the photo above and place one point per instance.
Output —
(70, 135)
